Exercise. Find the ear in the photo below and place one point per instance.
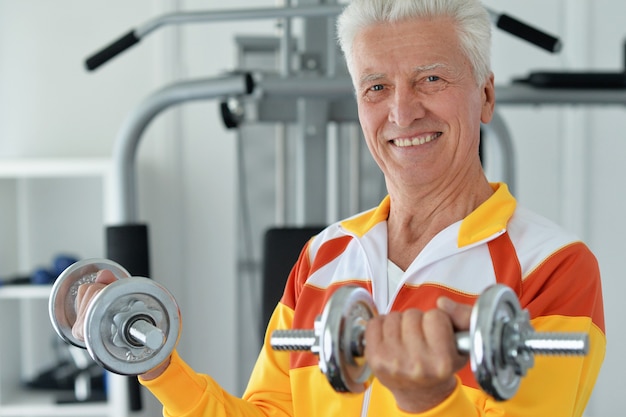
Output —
(488, 99)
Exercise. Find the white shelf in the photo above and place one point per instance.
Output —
(33, 403)
(25, 292)
(53, 167)
(48, 205)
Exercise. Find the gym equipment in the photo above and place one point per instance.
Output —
(131, 326)
(49, 275)
(41, 275)
(501, 341)
(502, 21)
(525, 31)
(266, 88)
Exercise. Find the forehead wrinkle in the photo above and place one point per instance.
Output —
(429, 67)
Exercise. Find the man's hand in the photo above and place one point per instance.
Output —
(414, 354)
(86, 293)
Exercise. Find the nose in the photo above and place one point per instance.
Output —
(405, 107)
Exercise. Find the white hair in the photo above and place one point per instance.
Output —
(471, 22)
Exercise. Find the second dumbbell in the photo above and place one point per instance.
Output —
(501, 341)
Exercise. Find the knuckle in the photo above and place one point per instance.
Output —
(443, 368)
(435, 316)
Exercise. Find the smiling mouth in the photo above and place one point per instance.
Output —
(405, 142)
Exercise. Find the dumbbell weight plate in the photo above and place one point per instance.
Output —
(61, 306)
(341, 326)
(497, 306)
(105, 321)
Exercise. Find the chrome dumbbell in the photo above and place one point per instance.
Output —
(501, 342)
(131, 326)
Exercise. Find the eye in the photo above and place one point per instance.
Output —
(431, 84)
(374, 93)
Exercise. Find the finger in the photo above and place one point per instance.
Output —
(437, 327)
(392, 327)
(382, 340)
(413, 329)
(84, 294)
(460, 314)
(105, 277)
(439, 335)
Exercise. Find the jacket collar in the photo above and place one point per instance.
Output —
(490, 218)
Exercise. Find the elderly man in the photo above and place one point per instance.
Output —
(423, 85)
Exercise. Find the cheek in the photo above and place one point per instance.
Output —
(368, 125)
(468, 114)
(373, 120)
(371, 126)
(366, 117)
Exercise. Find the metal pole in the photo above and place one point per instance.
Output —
(125, 149)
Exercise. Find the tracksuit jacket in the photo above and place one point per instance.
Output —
(554, 275)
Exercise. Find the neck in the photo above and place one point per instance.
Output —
(417, 216)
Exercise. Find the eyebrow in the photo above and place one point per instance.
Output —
(368, 78)
(429, 67)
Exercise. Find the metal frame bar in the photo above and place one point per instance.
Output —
(292, 88)
(123, 179)
(243, 14)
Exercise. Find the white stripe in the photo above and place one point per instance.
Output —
(536, 238)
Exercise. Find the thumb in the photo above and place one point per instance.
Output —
(459, 313)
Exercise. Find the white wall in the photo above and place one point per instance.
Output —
(50, 106)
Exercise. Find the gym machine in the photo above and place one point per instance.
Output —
(327, 84)
(324, 95)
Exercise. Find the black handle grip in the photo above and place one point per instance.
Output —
(111, 50)
(129, 246)
(532, 35)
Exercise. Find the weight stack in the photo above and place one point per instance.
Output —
(128, 245)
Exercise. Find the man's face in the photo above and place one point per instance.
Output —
(419, 105)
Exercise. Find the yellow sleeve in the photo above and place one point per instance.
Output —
(269, 386)
(184, 392)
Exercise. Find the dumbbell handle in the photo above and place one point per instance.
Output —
(541, 343)
(293, 340)
(146, 334)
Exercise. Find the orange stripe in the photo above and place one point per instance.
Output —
(573, 287)
(312, 303)
(329, 251)
(298, 275)
(505, 262)
(424, 297)
(303, 268)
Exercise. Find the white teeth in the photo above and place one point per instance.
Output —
(415, 141)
